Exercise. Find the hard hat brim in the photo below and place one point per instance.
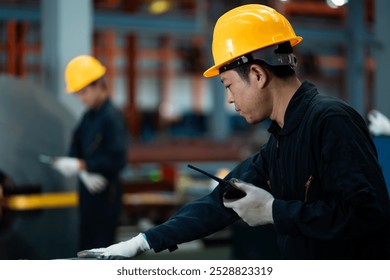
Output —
(212, 71)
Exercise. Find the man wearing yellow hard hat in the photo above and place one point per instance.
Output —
(97, 153)
(316, 180)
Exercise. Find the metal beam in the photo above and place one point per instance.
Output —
(145, 23)
(330, 35)
(20, 13)
(117, 20)
(356, 47)
(175, 24)
(382, 57)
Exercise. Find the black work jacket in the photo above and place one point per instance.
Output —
(101, 140)
(331, 200)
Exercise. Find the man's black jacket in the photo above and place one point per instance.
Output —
(331, 201)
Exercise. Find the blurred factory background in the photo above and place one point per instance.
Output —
(155, 52)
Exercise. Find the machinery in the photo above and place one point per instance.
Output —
(38, 217)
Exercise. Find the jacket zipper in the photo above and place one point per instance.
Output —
(280, 165)
(307, 186)
(95, 143)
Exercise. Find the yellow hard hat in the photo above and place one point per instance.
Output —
(81, 71)
(245, 29)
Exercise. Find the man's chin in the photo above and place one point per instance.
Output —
(252, 121)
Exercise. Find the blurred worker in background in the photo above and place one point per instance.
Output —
(97, 153)
(317, 179)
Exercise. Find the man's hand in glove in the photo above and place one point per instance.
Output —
(123, 250)
(94, 182)
(255, 208)
(379, 124)
(67, 166)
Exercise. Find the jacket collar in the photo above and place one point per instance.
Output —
(296, 109)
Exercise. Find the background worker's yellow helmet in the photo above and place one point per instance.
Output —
(81, 71)
(245, 29)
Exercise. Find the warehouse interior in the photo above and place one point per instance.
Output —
(155, 52)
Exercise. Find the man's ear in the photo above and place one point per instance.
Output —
(259, 74)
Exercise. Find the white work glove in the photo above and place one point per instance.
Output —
(379, 124)
(123, 250)
(67, 166)
(94, 182)
(255, 208)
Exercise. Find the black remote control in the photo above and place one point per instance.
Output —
(231, 191)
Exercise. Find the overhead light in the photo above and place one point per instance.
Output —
(336, 3)
(159, 6)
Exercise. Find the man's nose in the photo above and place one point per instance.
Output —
(229, 97)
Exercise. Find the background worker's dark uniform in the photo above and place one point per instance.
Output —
(341, 212)
(101, 140)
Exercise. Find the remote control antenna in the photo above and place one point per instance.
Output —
(219, 180)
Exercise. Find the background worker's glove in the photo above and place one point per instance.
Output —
(94, 182)
(255, 208)
(379, 124)
(123, 250)
(67, 166)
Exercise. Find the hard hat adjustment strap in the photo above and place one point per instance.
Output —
(285, 59)
(267, 55)
(235, 63)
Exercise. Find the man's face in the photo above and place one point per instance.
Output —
(89, 96)
(249, 98)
